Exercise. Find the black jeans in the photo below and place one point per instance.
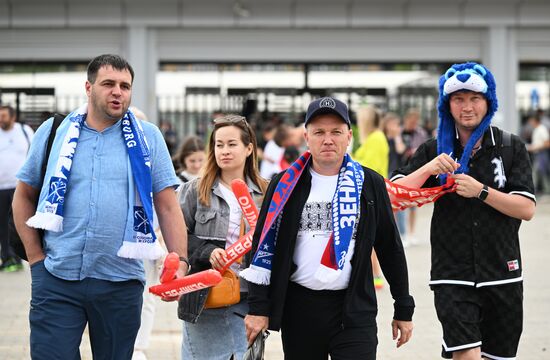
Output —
(6, 252)
(312, 328)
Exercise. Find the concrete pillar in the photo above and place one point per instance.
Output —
(141, 53)
(500, 56)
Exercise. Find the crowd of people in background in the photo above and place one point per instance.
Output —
(385, 142)
(535, 133)
(280, 142)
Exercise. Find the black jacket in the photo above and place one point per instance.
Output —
(376, 227)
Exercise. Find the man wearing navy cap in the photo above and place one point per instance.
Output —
(476, 263)
(311, 274)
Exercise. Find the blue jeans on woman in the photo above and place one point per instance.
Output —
(217, 335)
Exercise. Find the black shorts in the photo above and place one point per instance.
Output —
(488, 317)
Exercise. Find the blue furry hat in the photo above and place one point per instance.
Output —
(468, 76)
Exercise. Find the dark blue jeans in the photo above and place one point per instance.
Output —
(60, 310)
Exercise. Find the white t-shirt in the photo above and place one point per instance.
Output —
(235, 219)
(13, 152)
(314, 233)
(539, 136)
(271, 164)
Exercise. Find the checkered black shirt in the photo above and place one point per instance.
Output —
(472, 243)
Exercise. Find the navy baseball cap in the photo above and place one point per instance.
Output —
(327, 105)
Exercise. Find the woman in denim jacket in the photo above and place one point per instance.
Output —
(215, 221)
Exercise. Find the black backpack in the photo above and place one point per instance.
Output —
(505, 149)
(13, 237)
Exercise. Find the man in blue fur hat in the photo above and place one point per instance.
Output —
(476, 263)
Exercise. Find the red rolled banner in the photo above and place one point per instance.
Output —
(250, 211)
(171, 287)
(171, 265)
(403, 197)
(238, 249)
(189, 283)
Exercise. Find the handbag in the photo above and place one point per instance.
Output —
(256, 350)
(13, 237)
(226, 293)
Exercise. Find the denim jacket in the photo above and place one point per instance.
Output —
(207, 228)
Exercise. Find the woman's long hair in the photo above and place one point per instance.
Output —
(211, 170)
(189, 146)
(368, 120)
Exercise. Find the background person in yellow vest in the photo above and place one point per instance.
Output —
(373, 153)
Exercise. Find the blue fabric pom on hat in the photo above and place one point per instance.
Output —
(468, 76)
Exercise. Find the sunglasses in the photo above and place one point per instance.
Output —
(230, 119)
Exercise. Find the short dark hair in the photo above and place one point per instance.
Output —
(10, 109)
(281, 134)
(114, 61)
(535, 116)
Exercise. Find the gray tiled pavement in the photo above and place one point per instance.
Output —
(166, 337)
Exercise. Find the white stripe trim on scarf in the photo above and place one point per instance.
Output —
(136, 250)
(49, 214)
(453, 282)
(137, 243)
(46, 221)
(494, 357)
(499, 282)
(460, 347)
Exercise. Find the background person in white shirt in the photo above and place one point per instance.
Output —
(539, 151)
(15, 139)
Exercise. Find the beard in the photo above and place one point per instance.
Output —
(102, 109)
(6, 125)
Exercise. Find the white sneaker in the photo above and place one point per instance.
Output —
(139, 355)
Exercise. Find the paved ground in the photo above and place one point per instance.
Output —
(166, 338)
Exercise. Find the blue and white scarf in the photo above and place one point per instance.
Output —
(139, 238)
(345, 213)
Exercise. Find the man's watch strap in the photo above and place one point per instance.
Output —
(483, 193)
(185, 260)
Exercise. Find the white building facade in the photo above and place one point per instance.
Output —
(500, 33)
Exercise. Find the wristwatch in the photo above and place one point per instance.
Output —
(483, 193)
(185, 260)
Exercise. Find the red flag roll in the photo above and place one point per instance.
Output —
(250, 211)
(171, 287)
(238, 249)
(190, 283)
(171, 265)
(403, 197)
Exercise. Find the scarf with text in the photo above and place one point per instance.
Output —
(403, 197)
(139, 238)
(345, 211)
